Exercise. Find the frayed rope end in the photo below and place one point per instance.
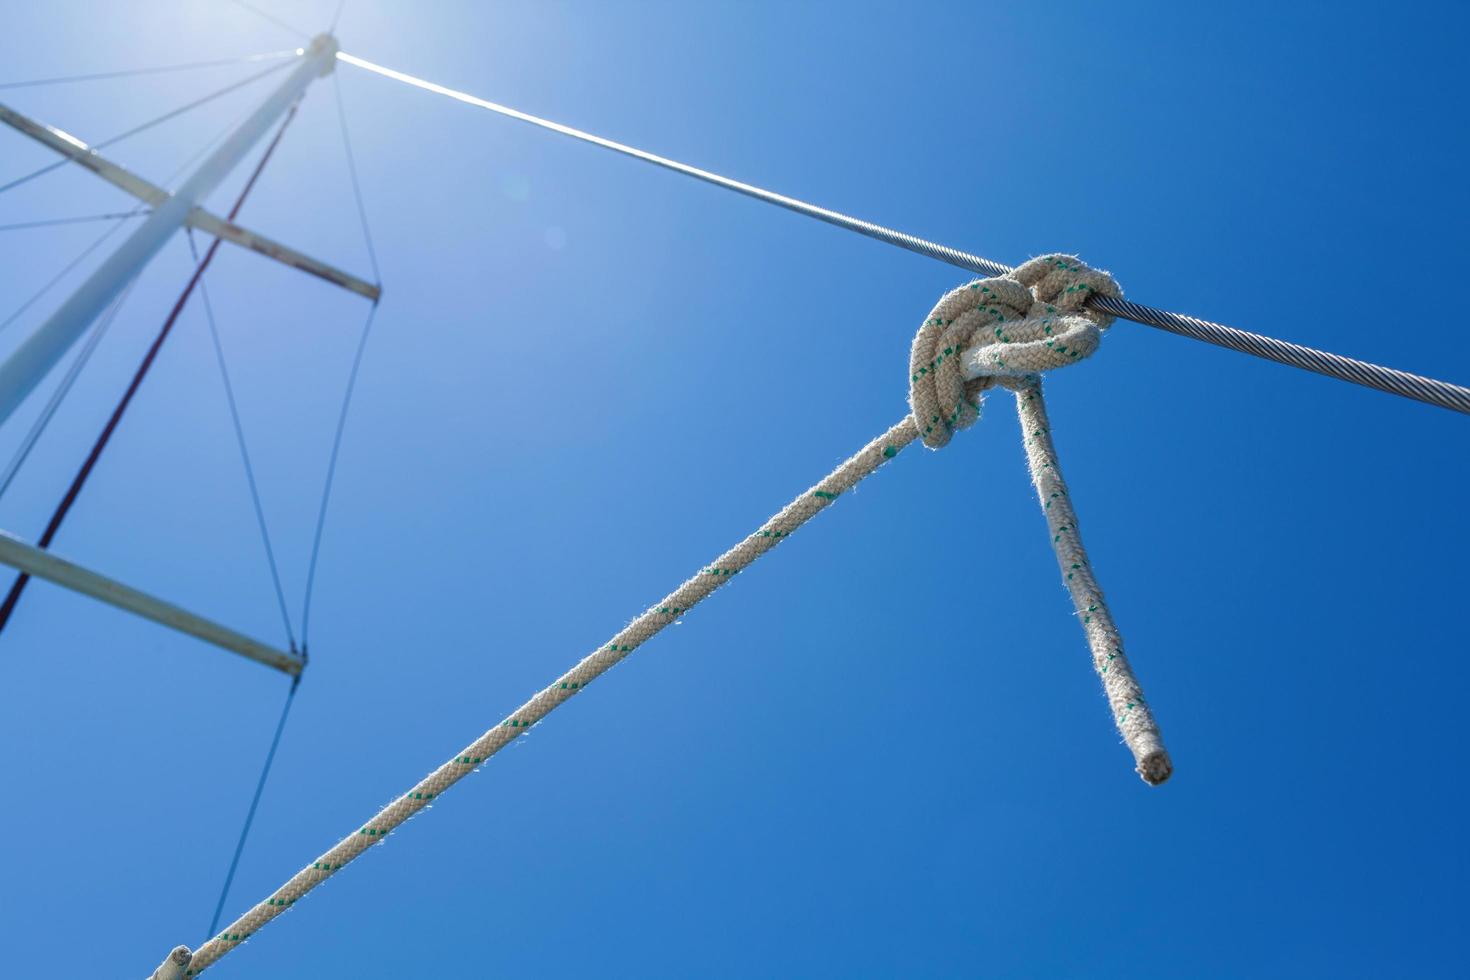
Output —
(1155, 767)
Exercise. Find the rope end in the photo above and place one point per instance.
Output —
(1155, 768)
(174, 966)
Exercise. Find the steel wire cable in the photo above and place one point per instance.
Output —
(352, 374)
(132, 72)
(1418, 387)
(272, 18)
(239, 427)
(265, 771)
(83, 219)
(81, 257)
(63, 388)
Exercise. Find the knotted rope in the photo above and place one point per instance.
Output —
(992, 331)
(174, 965)
(1007, 330)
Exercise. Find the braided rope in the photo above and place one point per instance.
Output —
(1020, 324)
(573, 682)
(1125, 696)
(173, 966)
(1005, 331)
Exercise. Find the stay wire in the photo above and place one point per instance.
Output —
(362, 342)
(1428, 390)
(84, 219)
(265, 771)
(63, 388)
(272, 18)
(132, 72)
(320, 522)
(224, 373)
(270, 756)
(321, 517)
(367, 234)
(66, 270)
(85, 149)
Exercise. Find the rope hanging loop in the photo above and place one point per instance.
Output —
(1005, 331)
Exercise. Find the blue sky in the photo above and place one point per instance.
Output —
(881, 752)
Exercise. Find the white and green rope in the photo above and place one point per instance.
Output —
(1000, 331)
(1005, 331)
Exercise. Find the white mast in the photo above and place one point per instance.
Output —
(34, 359)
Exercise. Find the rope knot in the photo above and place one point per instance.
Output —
(1000, 331)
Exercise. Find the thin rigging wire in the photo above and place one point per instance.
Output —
(265, 771)
(224, 373)
(337, 16)
(7, 607)
(1391, 380)
(272, 18)
(49, 222)
(84, 149)
(63, 388)
(362, 217)
(362, 342)
(321, 517)
(320, 523)
(270, 755)
(36, 296)
(130, 72)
